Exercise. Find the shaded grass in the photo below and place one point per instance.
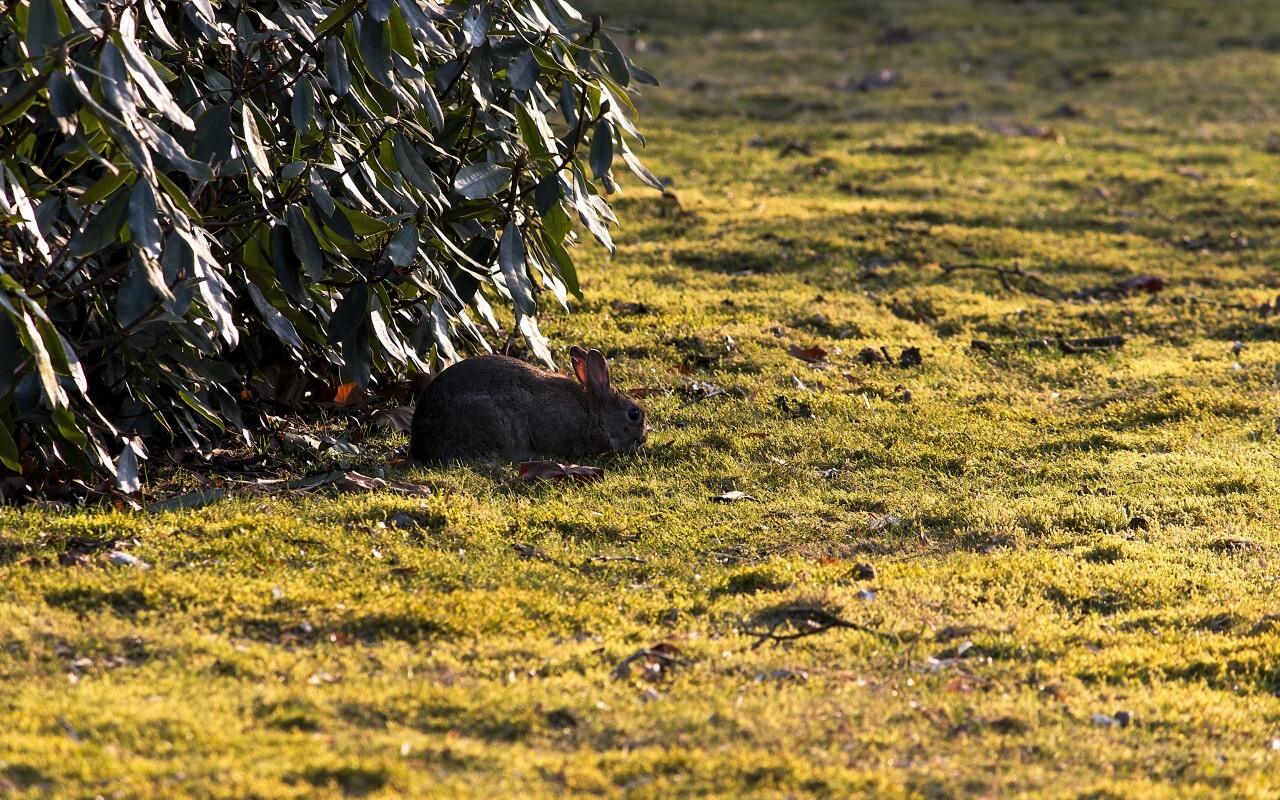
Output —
(1054, 536)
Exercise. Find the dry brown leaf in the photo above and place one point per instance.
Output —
(812, 354)
(551, 471)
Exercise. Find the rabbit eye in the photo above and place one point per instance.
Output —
(634, 415)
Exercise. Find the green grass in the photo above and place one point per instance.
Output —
(1055, 536)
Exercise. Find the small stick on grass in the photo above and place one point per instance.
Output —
(632, 559)
(1090, 344)
(806, 620)
(1030, 280)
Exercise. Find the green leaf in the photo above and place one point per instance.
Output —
(286, 264)
(357, 357)
(641, 75)
(351, 313)
(481, 180)
(614, 61)
(175, 156)
(640, 170)
(403, 247)
(196, 404)
(564, 261)
(42, 27)
(602, 151)
(546, 198)
(375, 49)
(67, 426)
(19, 98)
(320, 193)
(336, 68)
(253, 141)
(9, 343)
(523, 71)
(338, 16)
(136, 297)
(423, 30)
(9, 455)
(106, 185)
(279, 324)
(33, 343)
(64, 102)
(511, 260)
(302, 109)
(305, 243)
(144, 220)
(476, 22)
(412, 168)
(213, 136)
(380, 10)
(145, 77)
(104, 228)
(431, 104)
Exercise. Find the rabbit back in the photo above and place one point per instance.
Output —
(497, 405)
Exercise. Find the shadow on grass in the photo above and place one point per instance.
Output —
(352, 780)
(25, 776)
(88, 599)
(361, 628)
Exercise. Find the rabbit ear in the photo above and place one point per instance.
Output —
(578, 358)
(597, 373)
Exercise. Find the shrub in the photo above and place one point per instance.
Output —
(197, 193)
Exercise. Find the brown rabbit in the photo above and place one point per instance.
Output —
(495, 404)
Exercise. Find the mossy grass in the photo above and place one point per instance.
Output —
(1073, 553)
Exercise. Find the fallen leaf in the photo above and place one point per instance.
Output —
(870, 355)
(883, 523)
(127, 560)
(530, 471)
(399, 418)
(732, 497)
(347, 393)
(343, 481)
(1147, 283)
(317, 445)
(184, 502)
(783, 675)
(810, 354)
(755, 435)
(655, 662)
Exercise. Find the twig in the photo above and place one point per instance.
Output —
(656, 660)
(1005, 273)
(807, 621)
(1091, 344)
(632, 559)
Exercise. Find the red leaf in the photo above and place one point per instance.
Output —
(1147, 283)
(810, 354)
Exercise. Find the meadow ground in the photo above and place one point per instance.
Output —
(1058, 564)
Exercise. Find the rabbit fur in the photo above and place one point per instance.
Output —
(497, 405)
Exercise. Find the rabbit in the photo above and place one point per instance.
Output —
(497, 405)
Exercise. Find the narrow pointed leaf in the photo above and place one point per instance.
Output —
(305, 243)
(481, 180)
(511, 260)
